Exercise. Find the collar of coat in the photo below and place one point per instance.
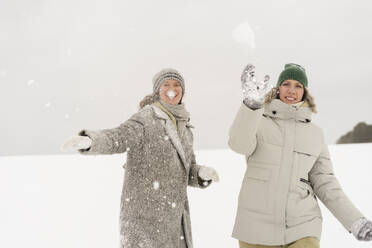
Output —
(172, 133)
(278, 109)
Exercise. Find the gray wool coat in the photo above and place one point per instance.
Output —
(160, 165)
(288, 170)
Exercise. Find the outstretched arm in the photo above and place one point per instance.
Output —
(128, 135)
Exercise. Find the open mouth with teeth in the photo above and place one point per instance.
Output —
(291, 99)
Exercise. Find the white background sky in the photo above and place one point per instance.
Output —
(68, 65)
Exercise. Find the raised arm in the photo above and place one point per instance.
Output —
(242, 135)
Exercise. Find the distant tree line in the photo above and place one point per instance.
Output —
(361, 133)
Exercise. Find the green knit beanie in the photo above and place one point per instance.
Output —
(293, 71)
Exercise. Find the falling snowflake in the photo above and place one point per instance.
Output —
(67, 116)
(30, 82)
(127, 199)
(166, 137)
(182, 237)
(2, 73)
(128, 149)
(158, 231)
(165, 197)
(155, 185)
(116, 143)
(48, 104)
(205, 183)
(77, 109)
(173, 205)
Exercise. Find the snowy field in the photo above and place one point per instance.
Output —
(72, 201)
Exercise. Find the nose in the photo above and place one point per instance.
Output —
(291, 90)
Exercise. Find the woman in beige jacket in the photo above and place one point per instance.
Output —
(288, 167)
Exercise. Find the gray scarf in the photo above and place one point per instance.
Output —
(179, 112)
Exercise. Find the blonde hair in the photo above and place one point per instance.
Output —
(307, 98)
(148, 100)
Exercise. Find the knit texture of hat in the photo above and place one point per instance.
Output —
(294, 72)
(167, 74)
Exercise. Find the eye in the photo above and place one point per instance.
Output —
(299, 86)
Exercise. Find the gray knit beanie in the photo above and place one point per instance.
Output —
(167, 74)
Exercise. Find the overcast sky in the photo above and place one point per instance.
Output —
(69, 65)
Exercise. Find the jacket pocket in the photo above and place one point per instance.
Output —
(305, 161)
(255, 192)
(302, 204)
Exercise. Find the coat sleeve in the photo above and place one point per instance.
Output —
(128, 135)
(242, 135)
(194, 179)
(329, 190)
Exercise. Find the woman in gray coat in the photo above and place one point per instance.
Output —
(160, 165)
(288, 167)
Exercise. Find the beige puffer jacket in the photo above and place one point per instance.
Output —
(288, 168)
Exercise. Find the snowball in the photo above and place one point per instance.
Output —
(171, 94)
(155, 185)
(243, 33)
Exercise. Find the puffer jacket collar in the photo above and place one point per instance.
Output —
(278, 109)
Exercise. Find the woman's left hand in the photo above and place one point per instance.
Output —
(208, 173)
(362, 229)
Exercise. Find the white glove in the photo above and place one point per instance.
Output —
(208, 173)
(253, 91)
(76, 143)
(362, 229)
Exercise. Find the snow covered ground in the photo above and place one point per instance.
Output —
(73, 201)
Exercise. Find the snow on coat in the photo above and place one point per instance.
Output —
(160, 164)
(288, 168)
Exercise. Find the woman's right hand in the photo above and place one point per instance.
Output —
(76, 143)
(254, 91)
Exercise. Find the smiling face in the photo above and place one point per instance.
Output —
(170, 91)
(291, 91)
